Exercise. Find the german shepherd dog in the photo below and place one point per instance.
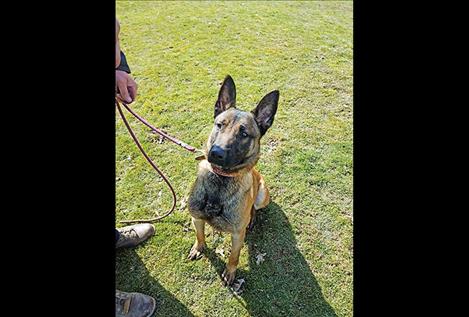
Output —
(228, 189)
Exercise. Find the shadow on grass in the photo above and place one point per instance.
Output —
(282, 285)
(133, 276)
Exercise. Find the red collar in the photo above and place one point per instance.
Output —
(220, 172)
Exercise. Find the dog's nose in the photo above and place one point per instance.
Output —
(217, 155)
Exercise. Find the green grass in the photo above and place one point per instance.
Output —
(179, 53)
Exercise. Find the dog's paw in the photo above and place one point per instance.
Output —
(196, 252)
(228, 277)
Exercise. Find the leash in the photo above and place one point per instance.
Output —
(166, 136)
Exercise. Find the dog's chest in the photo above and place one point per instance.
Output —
(219, 200)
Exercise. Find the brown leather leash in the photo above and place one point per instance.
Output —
(166, 136)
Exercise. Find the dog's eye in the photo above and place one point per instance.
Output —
(242, 131)
(219, 125)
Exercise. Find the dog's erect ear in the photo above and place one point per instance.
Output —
(265, 111)
(226, 96)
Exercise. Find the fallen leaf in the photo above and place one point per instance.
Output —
(260, 258)
(236, 288)
(220, 251)
(187, 227)
(183, 203)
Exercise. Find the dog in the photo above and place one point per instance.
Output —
(228, 189)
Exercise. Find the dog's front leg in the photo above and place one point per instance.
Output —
(199, 245)
(237, 242)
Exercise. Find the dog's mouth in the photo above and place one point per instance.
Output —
(231, 168)
(223, 172)
(226, 169)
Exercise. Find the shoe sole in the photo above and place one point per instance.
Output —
(154, 307)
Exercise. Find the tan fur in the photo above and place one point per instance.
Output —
(256, 196)
(228, 189)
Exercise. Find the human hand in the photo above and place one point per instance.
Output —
(126, 87)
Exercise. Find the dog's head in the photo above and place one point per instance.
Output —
(234, 142)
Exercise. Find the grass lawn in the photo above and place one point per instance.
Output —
(179, 53)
